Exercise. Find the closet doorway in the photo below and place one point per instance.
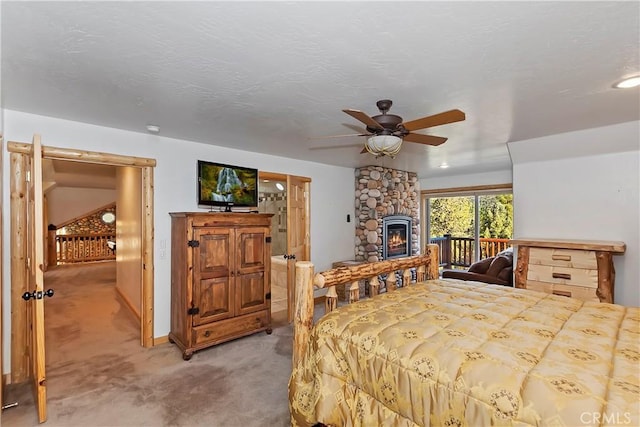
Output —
(287, 197)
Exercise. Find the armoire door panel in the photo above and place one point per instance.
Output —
(251, 293)
(251, 247)
(214, 300)
(213, 252)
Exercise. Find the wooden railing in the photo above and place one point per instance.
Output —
(73, 248)
(459, 251)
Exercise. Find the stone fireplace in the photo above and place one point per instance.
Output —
(392, 196)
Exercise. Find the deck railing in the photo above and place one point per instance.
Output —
(73, 248)
(460, 251)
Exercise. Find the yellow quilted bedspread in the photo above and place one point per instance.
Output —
(448, 353)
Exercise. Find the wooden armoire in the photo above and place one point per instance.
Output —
(220, 278)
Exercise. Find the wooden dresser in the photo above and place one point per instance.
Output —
(581, 269)
(220, 278)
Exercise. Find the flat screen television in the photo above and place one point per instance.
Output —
(226, 186)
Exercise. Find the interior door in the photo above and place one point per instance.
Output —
(35, 266)
(298, 207)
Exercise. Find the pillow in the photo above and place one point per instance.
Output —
(481, 266)
(506, 275)
(498, 264)
(507, 252)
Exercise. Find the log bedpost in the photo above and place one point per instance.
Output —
(303, 315)
(433, 268)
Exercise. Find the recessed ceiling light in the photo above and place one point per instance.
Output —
(153, 128)
(627, 83)
(444, 165)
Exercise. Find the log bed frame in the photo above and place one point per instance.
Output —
(426, 269)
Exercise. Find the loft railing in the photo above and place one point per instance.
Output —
(73, 248)
(459, 251)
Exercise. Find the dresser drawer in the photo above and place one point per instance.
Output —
(223, 330)
(563, 275)
(578, 292)
(570, 258)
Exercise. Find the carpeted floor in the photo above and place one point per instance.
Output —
(99, 375)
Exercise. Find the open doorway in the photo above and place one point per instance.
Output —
(287, 197)
(93, 258)
(144, 241)
(273, 200)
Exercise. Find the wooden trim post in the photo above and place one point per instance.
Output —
(303, 315)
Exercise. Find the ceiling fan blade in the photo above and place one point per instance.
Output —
(450, 116)
(424, 139)
(339, 136)
(332, 147)
(356, 128)
(364, 118)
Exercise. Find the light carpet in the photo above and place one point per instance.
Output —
(99, 375)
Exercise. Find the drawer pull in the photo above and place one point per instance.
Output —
(561, 276)
(557, 257)
(562, 293)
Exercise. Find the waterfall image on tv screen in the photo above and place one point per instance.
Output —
(225, 185)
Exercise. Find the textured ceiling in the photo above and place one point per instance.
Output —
(266, 76)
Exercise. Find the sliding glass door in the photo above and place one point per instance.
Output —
(468, 226)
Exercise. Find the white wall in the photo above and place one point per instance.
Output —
(66, 203)
(583, 185)
(332, 192)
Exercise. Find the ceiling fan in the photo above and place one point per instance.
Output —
(386, 132)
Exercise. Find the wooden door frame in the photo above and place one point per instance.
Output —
(275, 176)
(18, 152)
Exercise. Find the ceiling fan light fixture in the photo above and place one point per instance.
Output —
(383, 145)
(628, 83)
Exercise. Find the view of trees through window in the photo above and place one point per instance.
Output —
(452, 223)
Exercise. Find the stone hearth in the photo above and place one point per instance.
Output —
(381, 192)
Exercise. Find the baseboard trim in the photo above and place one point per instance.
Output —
(128, 304)
(161, 340)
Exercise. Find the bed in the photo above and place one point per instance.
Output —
(455, 353)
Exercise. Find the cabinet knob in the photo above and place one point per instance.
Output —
(207, 333)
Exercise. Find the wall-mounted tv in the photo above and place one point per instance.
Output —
(226, 185)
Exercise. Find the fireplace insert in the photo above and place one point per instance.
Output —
(396, 236)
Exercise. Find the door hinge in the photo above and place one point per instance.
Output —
(27, 176)
(193, 310)
(268, 296)
(193, 243)
(267, 239)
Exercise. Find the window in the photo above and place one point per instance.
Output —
(108, 217)
(468, 225)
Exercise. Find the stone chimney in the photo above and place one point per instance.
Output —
(380, 192)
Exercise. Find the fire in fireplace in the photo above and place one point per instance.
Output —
(396, 236)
